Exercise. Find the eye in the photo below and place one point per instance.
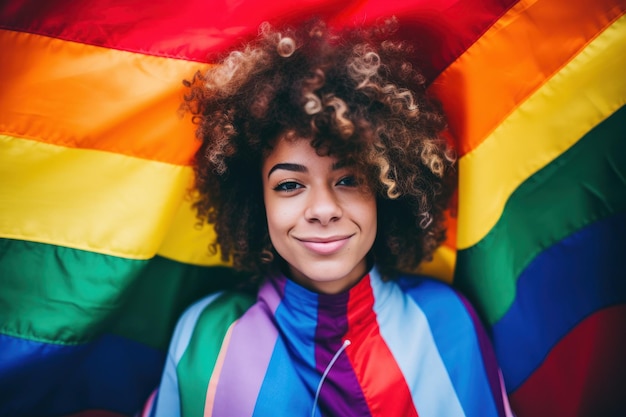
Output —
(348, 181)
(288, 186)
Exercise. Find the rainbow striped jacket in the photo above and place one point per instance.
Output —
(412, 347)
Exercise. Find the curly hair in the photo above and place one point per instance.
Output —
(355, 95)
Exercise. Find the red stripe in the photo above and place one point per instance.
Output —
(585, 373)
(192, 29)
(441, 30)
(375, 366)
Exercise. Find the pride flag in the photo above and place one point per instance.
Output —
(100, 251)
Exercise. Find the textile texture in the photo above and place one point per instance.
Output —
(100, 252)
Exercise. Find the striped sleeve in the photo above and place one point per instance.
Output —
(193, 353)
(463, 346)
(165, 401)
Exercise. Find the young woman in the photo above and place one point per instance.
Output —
(324, 174)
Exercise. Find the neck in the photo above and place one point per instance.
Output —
(328, 287)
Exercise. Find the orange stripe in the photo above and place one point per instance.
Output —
(82, 96)
(528, 45)
(375, 367)
(217, 371)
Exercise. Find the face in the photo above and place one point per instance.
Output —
(320, 220)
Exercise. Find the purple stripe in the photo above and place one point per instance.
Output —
(341, 393)
(245, 367)
(273, 291)
(489, 358)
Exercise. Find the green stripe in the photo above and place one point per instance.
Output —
(164, 289)
(197, 363)
(585, 184)
(67, 296)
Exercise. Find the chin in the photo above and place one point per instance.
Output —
(330, 279)
(327, 273)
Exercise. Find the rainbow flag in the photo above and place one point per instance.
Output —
(100, 252)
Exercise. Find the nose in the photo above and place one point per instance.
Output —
(323, 206)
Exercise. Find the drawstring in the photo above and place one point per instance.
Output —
(343, 347)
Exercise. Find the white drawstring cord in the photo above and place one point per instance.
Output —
(343, 347)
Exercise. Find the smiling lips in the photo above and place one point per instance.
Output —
(325, 246)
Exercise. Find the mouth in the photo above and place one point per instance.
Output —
(324, 245)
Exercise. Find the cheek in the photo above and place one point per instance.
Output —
(269, 205)
(278, 230)
(273, 224)
(372, 219)
(366, 212)
(278, 219)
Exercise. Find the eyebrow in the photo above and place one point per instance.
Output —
(301, 168)
(288, 167)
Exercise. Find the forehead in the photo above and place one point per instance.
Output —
(294, 150)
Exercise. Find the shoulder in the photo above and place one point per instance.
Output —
(440, 302)
(428, 290)
(193, 350)
(214, 313)
(462, 344)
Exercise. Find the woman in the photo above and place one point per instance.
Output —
(323, 171)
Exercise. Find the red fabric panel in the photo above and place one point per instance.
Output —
(585, 373)
(193, 29)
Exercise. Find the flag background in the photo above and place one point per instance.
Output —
(100, 251)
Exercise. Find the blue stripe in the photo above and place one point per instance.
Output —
(41, 379)
(405, 329)
(561, 287)
(167, 401)
(453, 330)
(285, 385)
(295, 328)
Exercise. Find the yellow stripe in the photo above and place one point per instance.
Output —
(187, 241)
(585, 92)
(442, 265)
(532, 41)
(84, 199)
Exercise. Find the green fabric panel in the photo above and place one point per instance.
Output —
(160, 294)
(197, 363)
(59, 295)
(67, 296)
(583, 185)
